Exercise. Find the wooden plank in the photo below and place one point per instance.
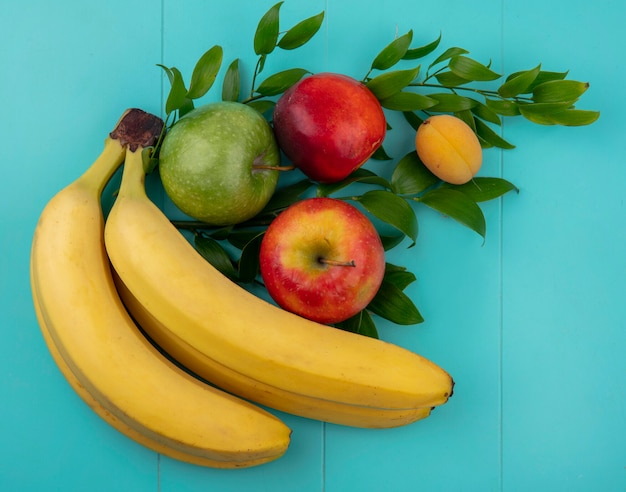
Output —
(563, 262)
(69, 71)
(530, 321)
(458, 286)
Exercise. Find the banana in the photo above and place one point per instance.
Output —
(101, 410)
(248, 346)
(105, 357)
(233, 381)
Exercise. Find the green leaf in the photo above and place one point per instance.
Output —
(262, 105)
(359, 175)
(411, 177)
(519, 83)
(539, 118)
(544, 108)
(542, 76)
(566, 117)
(205, 72)
(413, 120)
(446, 55)
(482, 189)
(380, 154)
(217, 256)
(450, 79)
(393, 52)
(422, 51)
(398, 276)
(389, 83)
(468, 117)
(407, 101)
(168, 72)
(219, 234)
(574, 117)
(281, 81)
(491, 137)
(248, 266)
(266, 33)
(185, 108)
(301, 33)
(391, 209)
(545, 76)
(394, 305)
(236, 236)
(177, 97)
(286, 195)
(486, 113)
(457, 206)
(361, 323)
(232, 83)
(503, 107)
(556, 91)
(470, 69)
(149, 160)
(261, 64)
(451, 103)
(390, 242)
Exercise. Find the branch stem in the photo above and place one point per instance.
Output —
(328, 261)
(273, 168)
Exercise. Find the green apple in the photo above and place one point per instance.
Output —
(218, 163)
(322, 259)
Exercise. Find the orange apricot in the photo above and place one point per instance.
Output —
(449, 148)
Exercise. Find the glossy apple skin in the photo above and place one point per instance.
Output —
(315, 229)
(328, 125)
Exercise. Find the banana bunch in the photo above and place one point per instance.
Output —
(250, 347)
(102, 353)
(95, 318)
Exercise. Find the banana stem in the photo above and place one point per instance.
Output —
(137, 128)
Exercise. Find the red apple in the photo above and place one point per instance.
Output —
(322, 259)
(328, 125)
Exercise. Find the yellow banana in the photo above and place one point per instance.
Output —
(101, 410)
(105, 357)
(251, 347)
(233, 381)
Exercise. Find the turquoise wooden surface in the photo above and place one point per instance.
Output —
(530, 322)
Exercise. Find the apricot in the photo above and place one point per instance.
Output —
(449, 148)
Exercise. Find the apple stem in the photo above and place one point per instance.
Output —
(326, 261)
(273, 168)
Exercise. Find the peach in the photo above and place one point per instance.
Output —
(449, 148)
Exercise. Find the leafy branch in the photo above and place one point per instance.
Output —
(266, 39)
(540, 96)
(181, 98)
